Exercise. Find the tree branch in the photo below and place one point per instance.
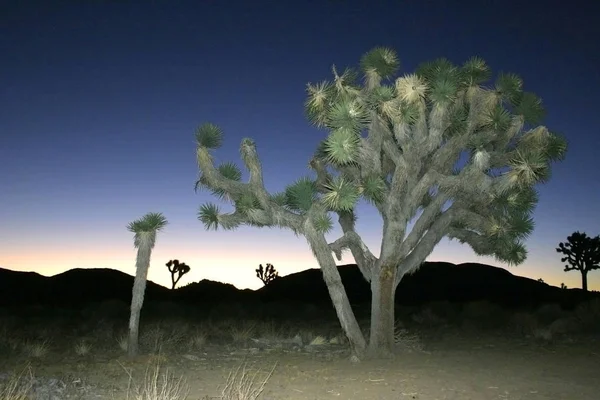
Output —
(351, 240)
(217, 181)
(426, 245)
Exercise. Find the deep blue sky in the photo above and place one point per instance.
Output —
(99, 102)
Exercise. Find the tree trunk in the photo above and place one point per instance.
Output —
(343, 309)
(383, 295)
(584, 280)
(337, 292)
(137, 297)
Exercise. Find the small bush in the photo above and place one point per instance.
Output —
(524, 323)
(549, 313)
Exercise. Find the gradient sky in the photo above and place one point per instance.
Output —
(99, 102)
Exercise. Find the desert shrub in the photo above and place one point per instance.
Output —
(109, 309)
(588, 314)
(548, 313)
(428, 318)
(565, 325)
(445, 309)
(524, 323)
(483, 314)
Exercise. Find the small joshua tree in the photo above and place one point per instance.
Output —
(582, 253)
(439, 153)
(563, 286)
(177, 268)
(266, 275)
(145, 230)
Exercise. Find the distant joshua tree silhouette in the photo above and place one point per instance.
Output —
(582, 253)
(145, 230)
(177, 268)
(541, 280)
(563, 286)
(266, 275)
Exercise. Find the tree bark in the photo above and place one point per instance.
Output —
(584, 284)
(337, 292)
(137, 298)
(383, 295)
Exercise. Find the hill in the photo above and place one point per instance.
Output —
(434, 281)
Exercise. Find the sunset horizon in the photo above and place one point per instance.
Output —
(99, 115)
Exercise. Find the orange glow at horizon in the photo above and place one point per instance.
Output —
(235, 264)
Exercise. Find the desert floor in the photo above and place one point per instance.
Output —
(231, 359)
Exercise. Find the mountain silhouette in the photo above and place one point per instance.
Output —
(434, 281)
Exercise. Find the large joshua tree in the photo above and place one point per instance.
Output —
(145, 230)
(435, 147)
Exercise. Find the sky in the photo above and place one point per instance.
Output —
(99, 102)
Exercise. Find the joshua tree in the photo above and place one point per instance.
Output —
(145, 230)
(582, 253)
(563, 286)
(435, 147)
(177, 268)
(266, 275)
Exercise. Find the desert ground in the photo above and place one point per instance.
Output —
(444, 351)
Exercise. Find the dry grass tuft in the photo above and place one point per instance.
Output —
(16, 387)
(123, 342)
(198, 341)
(242, 333)
(242, 384)
(406, 340)
(82, 348)
(37, 349)
(157, 386)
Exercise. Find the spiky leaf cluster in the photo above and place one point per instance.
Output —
(427, 120)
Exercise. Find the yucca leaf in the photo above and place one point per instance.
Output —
(497, 119)
(319, 97)
(512, 253)
(209, 136)
(475, 71)
(208, 214)
(279, 198)
(521, 225)
(510, 87)
(373, 189)
(381, 60)
(411, 88)
(440, 69)
(301, 195)
(529, 168)
(342, 147)
(323, 223)
(556, 147)
(341, 194)
(347, 115)
(443, 90)
(150, 222)
(230, 171)
(530, 107)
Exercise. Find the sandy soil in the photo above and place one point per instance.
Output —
(449, 366)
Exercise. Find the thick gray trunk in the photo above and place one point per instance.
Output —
(383, 291)
(336, 289)
(137, 298)
(342, 306)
